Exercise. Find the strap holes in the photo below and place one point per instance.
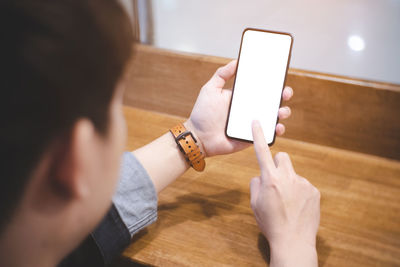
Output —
(187, 142)
(198, 161)
(189, 146)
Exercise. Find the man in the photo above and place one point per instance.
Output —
(64, 67)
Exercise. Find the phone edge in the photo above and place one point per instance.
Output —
(233, 87)
(284, 83)
(234, 82)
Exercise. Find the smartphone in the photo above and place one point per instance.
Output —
(260, 78)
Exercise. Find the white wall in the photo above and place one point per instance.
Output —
(321, 31)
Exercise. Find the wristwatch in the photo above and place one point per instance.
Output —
(187, 144)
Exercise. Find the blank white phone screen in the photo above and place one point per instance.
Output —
(260, 78)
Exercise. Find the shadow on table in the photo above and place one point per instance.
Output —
(263, 246)
(323, 250)
(205, 207)
(211, 205)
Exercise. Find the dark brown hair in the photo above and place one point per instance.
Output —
(59, 61)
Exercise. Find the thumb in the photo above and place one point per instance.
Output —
(222, 75)
(254, 190)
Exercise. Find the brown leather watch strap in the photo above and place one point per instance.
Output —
(187, 144)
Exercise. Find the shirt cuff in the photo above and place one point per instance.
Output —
(136, 197)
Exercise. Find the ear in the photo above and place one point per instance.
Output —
(63, 173)
(73, 160)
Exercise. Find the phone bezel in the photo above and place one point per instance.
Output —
(284, 81)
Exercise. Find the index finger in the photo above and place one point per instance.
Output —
(261, 147)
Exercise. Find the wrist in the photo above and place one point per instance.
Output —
(293, 253)
(190, 127)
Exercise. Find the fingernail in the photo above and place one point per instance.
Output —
(291, 91)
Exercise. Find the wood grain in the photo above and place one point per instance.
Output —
(341, 112)
(205, 218)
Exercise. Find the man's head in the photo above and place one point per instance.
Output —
(62, 128)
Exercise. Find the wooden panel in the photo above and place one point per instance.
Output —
(335, 111)
(205, 218)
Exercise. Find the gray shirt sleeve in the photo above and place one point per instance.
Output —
(136, 197)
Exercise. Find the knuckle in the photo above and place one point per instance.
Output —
(313, 191)
(219, 70)
(317, 193)
(273, 184)
(301, 178)
(293, 176)
(305, 181)
(282, 156)
(253, 204)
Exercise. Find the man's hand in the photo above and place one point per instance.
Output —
(286, 207)
(209, 115)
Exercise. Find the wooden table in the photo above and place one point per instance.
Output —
(205, 219)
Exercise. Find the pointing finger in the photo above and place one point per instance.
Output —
(261, 147)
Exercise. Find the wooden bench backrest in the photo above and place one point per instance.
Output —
(351, 114)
